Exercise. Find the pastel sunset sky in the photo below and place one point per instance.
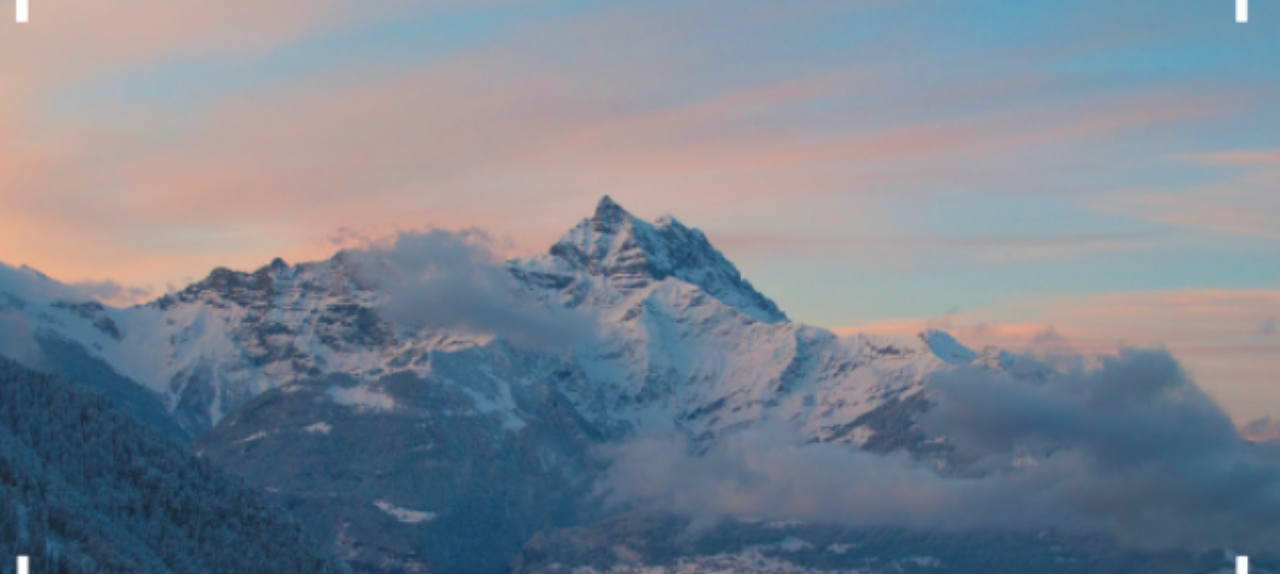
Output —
(1030, 174)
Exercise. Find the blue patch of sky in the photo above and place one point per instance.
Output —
(865, 289)
(196, 81)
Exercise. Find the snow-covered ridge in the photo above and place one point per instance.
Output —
(683, 340)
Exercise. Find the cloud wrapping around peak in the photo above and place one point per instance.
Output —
(1131, 448)
(454, 280)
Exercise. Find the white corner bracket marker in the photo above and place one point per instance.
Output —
(24, 11)
(1242, 10)
(23, 567)
(1242, 565)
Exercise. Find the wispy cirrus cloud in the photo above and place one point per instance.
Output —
(515, 130)
(979, 249)
(1238, 198)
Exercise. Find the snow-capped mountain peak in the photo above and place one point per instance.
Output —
(623, 253)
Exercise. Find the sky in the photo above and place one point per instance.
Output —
(1080, 174)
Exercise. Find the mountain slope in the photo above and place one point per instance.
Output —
(85, 488)
(429, 474)
(59, 347)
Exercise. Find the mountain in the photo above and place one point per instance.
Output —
(680, 329)
(437, 449)
(87, 488)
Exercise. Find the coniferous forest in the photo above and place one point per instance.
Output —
(87, 489)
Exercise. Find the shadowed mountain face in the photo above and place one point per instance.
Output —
(417, 474)
(413, 445)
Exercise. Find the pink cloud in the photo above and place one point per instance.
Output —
(515, 136)
(1240, 199)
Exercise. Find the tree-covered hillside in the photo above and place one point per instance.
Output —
(86, 488)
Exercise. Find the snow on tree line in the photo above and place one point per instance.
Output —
(87, 489)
